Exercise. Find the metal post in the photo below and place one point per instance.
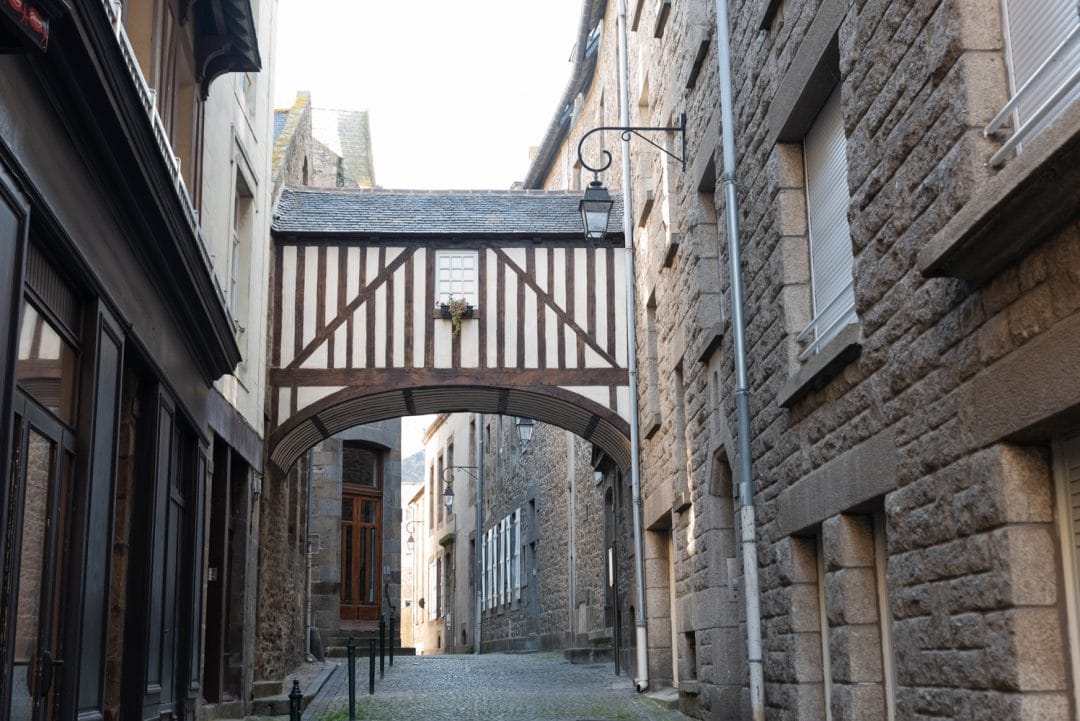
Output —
(391, 640)
(642, 639)
(371, 667)
(382, 647)
(747, 522)
(294, 701)
(478, 618)
(351, 649)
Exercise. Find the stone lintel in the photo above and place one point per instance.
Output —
(656, 511)
(1032, 393)
(810, 78)
(854, 477)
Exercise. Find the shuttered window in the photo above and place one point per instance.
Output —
(517, 554)
(824, 150)
(1043, 40)
(433, 591)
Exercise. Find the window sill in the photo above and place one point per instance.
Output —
(820, 368)
(1036, 193)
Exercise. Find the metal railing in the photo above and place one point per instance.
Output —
(821, 329)
(1030, 125)
(148, 99)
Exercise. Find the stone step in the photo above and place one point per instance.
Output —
(265, 689)
(589, 654)
(278, 703)
(362, 651)
(666, 696)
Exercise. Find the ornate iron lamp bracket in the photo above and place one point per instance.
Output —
(626, 132)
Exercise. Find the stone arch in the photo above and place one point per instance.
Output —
(357, 405)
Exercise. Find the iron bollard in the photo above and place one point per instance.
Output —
(351, 649)
(382, 647)
(371, 667)
(294, 701)
(392, 640)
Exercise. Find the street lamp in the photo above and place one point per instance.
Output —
(410, 527)
(626, 132)
(448, 481)
(595, 206)
(525, 425)
(595, 210)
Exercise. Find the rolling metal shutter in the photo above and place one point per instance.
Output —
(1034, 30)
(827, 198)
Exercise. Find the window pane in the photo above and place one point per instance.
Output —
(347, 575)
(47, 365)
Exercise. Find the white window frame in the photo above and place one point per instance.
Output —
(517, 554)
(827, 198)
(464, 284)
(433, 592)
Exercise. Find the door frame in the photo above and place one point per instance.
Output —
(52, 618)
(356, 610)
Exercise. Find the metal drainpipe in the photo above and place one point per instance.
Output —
(479, 585)
(309, 615)
(747, 524)
(642, 682)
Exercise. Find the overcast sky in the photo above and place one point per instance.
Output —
(457, 91)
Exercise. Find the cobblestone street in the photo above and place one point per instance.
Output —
(503, 687)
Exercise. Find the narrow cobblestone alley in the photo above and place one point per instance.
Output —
(502, 687)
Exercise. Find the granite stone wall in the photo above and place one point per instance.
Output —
(561, 603)
(903, 474)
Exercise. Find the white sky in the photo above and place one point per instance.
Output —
(458, 91)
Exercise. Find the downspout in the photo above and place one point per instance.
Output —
(747, 524)
(642, 682)
(309, 614)
(479, 585)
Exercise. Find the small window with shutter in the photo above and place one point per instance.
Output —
(827, 198)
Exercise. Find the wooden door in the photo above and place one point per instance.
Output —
(35, 569)
(361, 554)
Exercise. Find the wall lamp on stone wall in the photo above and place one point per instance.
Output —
(525, 426)
(448, 481)
(595, 206)
(410, 528)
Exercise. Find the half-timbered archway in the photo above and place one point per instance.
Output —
(398, 303)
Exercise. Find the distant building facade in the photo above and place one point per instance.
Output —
(551, 527)
(355, 575)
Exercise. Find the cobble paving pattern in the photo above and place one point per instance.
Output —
(492, 687)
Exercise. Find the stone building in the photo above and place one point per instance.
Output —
(549, 519)
(911, 293)
(354, 537)
(134, 214)
(332, 574)
(321, 147)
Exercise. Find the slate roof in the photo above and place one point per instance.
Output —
(319, 211)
